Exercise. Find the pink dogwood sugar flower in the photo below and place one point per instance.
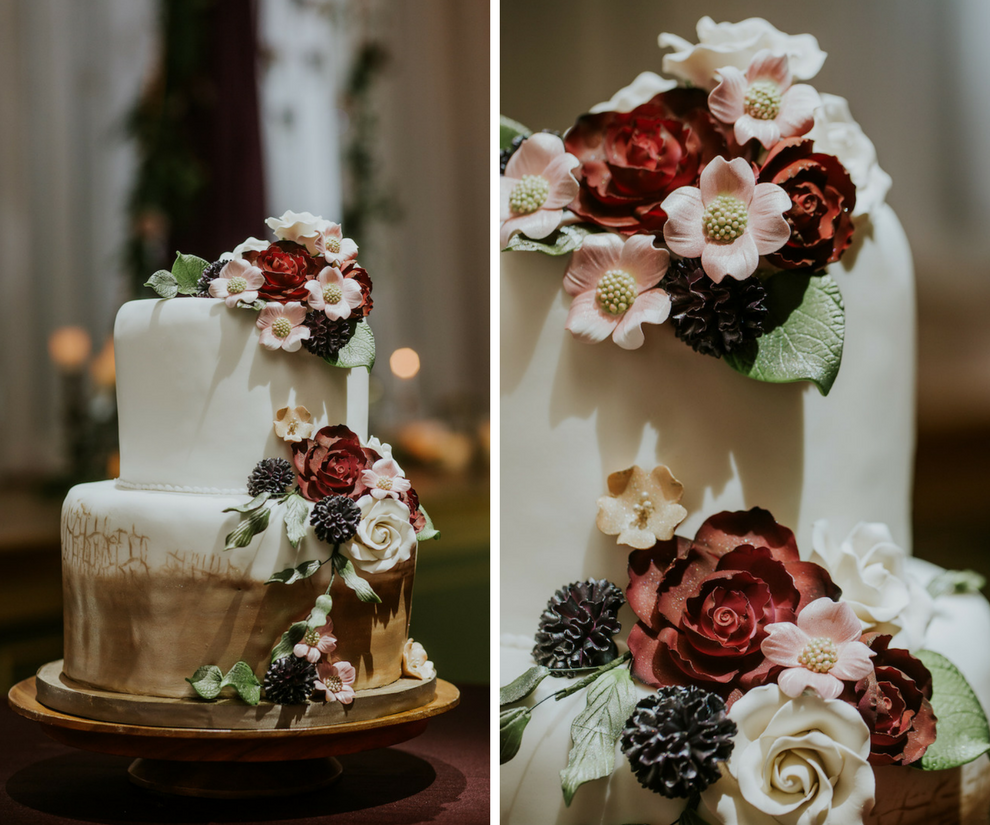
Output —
(316, 643)
(729, 221)
(385, 479)
(334, 247)
(614, 287)
(537, 185)
(821, 651)
(335, 679)
(283, 326)
(762, 103)
(237, 281)
(336, 295)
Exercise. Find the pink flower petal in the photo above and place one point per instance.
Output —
(794, 681)
(563, 186)
(835, 620)
(766, 65)
(293, 341)
(315, 290)
(586, 322)
(767, 226)
(218, 288)
(268, 315)
(797, 110)
(738, 259)
(268, 340)
(726, 100)
(651, 307)
(723, 177)
(536, 225)
(641, 259)
(597, 255)
(295, 312)
(683, 230)
(854, 662)
(784, 643)
(535, 154)
(767, 132)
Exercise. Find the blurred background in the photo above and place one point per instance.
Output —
(913, 72)
(130, 129)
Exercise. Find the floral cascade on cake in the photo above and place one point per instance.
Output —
(715, 201)
(780, 682)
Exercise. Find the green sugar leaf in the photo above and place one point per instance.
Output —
(560, 242)
(289, 640)
(164, 284)
(509, 129)
(804, 333)
(511, 724)
(359, 351)
(318, 615)
(254, 504)
(207, 681)
(522, 686)
(186, 271)
(296, 514)
(294, 574)
(594, 732)
(364, 591)
(956, 581)
(248, 527)
(961, 734)
(242, 679)
(429, 531)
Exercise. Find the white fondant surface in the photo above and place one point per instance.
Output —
(197, 394)
(571, 414)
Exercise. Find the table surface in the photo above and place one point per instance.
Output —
(440, 777)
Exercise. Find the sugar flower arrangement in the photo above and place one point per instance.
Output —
(715, 200)
(365, 516)
(307, 287)
(766, 667)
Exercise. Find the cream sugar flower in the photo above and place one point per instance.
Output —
(250, 245)
(334, 294)
(762, 103)
(336, 680)
(820, 652)
(385, 479)
(729, 221)
(282, 326)
(334, 247)
(301, 227)
(614, 287)
(537, 185)
(415, 662)
(294, 424)
(238, 281)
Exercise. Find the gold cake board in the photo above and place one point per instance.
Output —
(230, 763)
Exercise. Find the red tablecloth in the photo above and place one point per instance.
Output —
(441, 777)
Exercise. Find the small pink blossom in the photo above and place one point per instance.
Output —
(334, 247)
(729, 221)
(283, 326)
(316, 643)
(385, 479)
(537, 185)
(614, 287)
(820, 652)
(762, 103)
(237, 281)
(336, 295)
(335, 679)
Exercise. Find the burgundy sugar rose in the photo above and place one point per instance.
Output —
(631, 161)
(358, 273)
(331, 463)
(703, 606)
(822, 196)
(895, 703)
(411, 500)
(286, 266)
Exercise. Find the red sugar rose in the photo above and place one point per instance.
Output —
(331, 463)
(286, 266)
(358, 273)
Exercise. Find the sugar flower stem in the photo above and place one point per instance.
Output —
(587, 680)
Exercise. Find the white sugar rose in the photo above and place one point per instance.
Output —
(645, 87)
(871, 570)
(384, 535)
(836, 133)
(795, 761)
(250, 245)
(301, 227)
(415, 662)
(735, 44)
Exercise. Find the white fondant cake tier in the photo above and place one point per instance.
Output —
(197, 394)
(151, 595)
(571, 414)
(530, 783)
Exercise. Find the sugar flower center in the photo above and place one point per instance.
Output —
(384, 483)
(312, 637)
(725, 219)
(236, 285)
(762, 100)
(616, 291)
(281, 327)
(529, 194)
(643, 510)
(333, 683)
(819, 655)
(332, 245)
(332, 293)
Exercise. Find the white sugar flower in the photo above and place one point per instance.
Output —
(385, 479)
(283, 326)
(250, 245)
(334, 294)
(334, 247)
(415, 662)
(384, 536)
(301, 227)
(238, 281)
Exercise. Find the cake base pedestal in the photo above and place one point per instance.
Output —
(224, 763)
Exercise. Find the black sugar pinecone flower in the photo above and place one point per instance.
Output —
(271, 475)
(675, 739)
(577, 626)
(335, 519)
(209, 274)
(290, 681)
(326, 337)
(715, 319)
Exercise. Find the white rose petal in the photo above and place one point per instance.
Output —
(384, 536)
(300, 227)
(645, 87)
(250, 245)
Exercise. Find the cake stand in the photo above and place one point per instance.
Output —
(231, 764)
